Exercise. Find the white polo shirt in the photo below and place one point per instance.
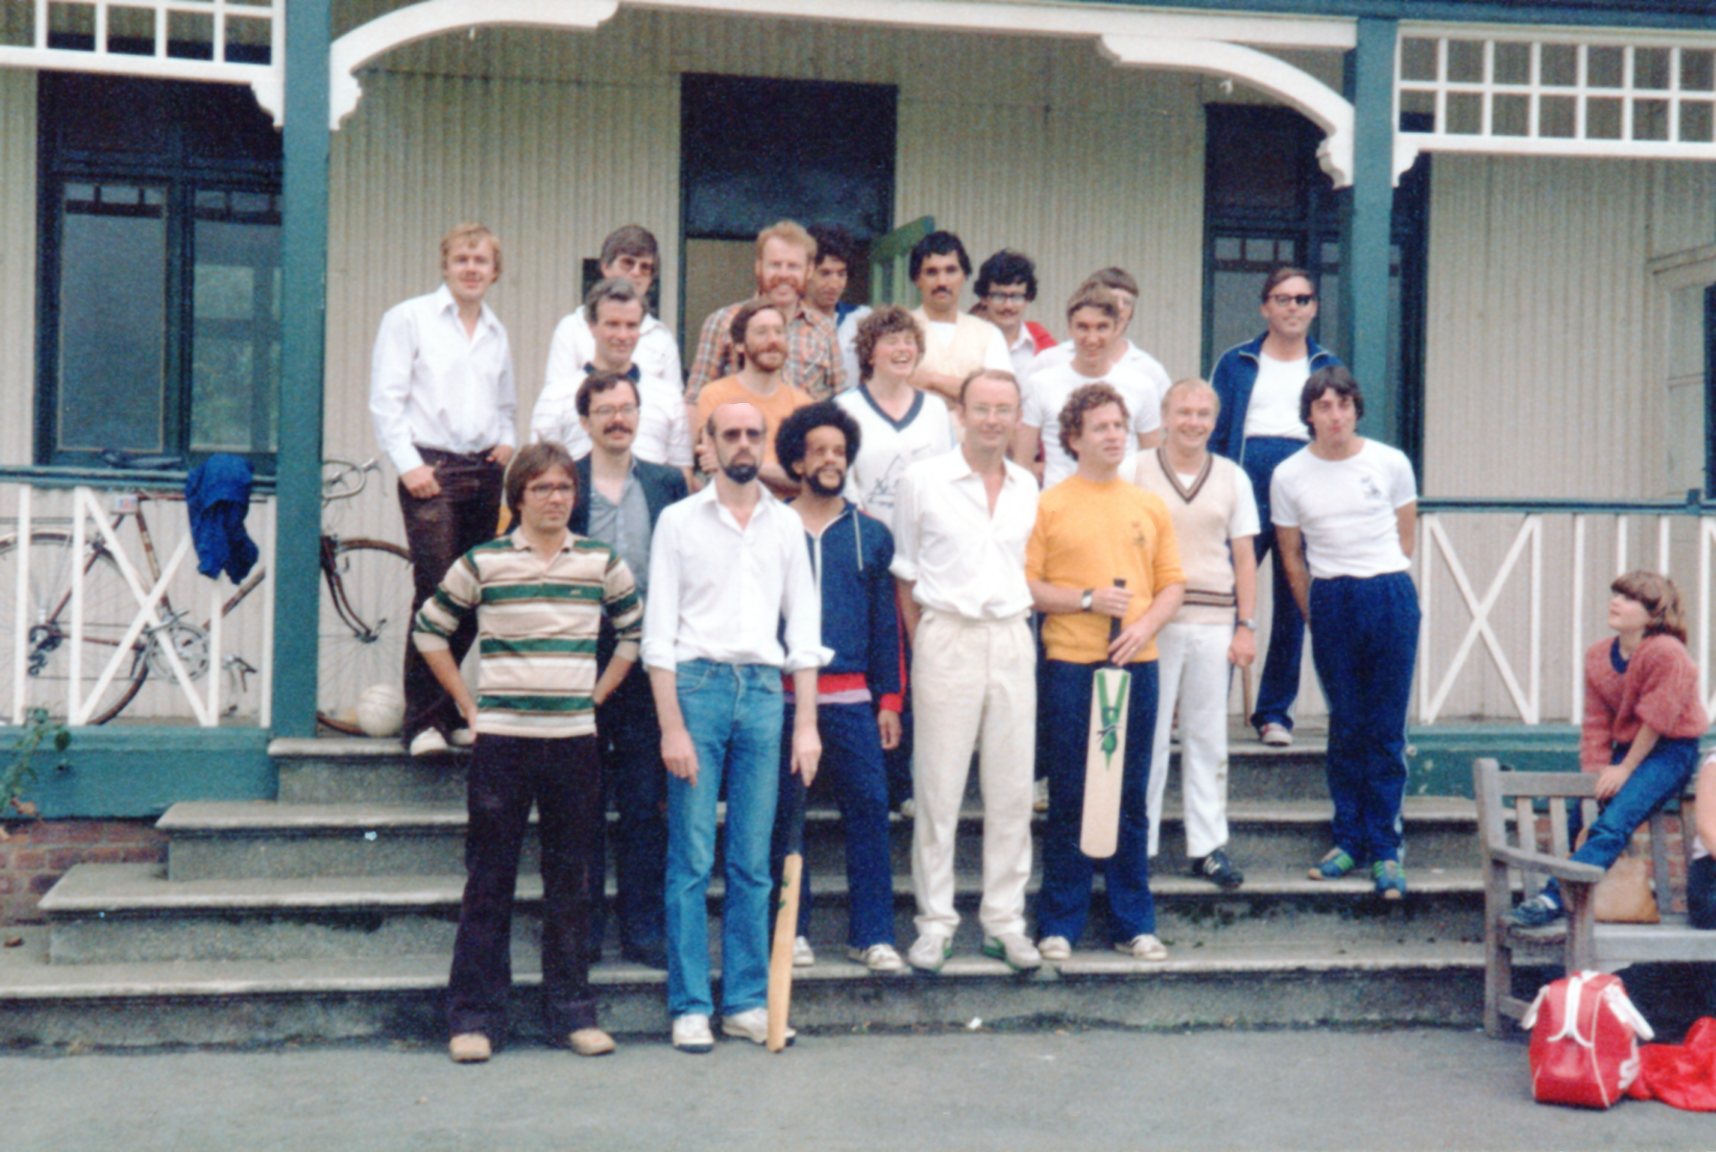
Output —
(1046, 394)
(961, 559)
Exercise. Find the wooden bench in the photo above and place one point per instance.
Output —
(1511, 828)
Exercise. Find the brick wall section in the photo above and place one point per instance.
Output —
(38, 852)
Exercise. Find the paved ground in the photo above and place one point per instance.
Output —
(1102, 1090)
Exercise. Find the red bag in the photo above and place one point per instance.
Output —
(1584, 1041)
(1684, 1075)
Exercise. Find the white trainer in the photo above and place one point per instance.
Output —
(691, 1034)
(1276, 735)
(751, 1024)
(1144, 947)
(1056, 948)
(428, 742)
(929, 952)
(877, 958)
(803, 955)
(1013, 949)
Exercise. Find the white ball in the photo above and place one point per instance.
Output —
(381, 710)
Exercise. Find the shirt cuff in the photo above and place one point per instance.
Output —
(626, 650)
(809, 658)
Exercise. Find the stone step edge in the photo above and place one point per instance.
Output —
(428, 973)
(206, 818)
(89, 890)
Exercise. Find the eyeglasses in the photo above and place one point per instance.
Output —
(734, 435)
(1007, 297)
(549, 491)
(998, 412)
(1282, 299)
(610, 412)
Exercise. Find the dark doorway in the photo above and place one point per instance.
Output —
(755, 151)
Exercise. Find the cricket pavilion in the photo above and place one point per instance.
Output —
(207, 205)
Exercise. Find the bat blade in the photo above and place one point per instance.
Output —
(1105, 762)
(780, 957)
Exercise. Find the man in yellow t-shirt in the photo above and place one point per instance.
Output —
(1093, 531)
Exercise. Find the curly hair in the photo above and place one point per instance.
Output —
(1658, 596)
(884, 321)
(795, 430)
(1086, 398)
(1008, 267)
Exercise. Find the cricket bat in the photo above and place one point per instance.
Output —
(1105, 755)
(786, 919)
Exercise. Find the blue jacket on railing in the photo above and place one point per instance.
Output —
(217, 497)
(1233, 378)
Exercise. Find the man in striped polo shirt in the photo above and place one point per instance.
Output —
(539, 596)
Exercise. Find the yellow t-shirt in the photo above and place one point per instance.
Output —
(1089, 535)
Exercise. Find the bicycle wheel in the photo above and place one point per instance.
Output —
(109, 609)
(365, 625)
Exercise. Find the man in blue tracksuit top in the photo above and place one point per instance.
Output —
(859, 690)
(1258, 427)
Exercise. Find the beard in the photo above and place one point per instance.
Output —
(815, 484)
(740, 473)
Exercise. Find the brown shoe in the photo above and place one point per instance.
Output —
(469, 1048)
(591, 1042)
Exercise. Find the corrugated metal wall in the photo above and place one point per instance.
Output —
(17, 261)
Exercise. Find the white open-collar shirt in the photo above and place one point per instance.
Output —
(960, 558)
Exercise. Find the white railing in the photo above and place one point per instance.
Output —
(103, 613)
(221, 41)
(1513, 593)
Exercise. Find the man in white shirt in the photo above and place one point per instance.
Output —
(443, 400)
(956, 343)
(1006, 285)
(614, 312)
(1346, 516)
(1123, 350)
(960, 528)
(726, 567)
(629, 253)
(900, 424)
(837, 254)
(1093, 316)
(1215, 523)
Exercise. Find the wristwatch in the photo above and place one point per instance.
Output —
(1248, 623)
(1085, 601)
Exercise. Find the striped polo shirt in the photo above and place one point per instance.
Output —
(537, 623)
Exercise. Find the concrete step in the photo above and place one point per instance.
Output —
(356, 770)
(239, 840)
(401, 996)
(101, 914)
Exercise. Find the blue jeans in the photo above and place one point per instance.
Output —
(852, 761)
(1364, 643)
(1063, 905)
(733, 712)
(1279, 687)
(1659, 778)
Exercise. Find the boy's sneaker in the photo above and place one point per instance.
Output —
(877, 958)
(929, 952)
(1389, 878)
(1055, 948)
(1334, 864)
(751, 1024)
(691, 1034)
(803, 955)
(1218, 870)
(1537, 912)
(1013, 949)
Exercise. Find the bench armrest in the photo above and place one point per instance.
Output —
(1564, 870)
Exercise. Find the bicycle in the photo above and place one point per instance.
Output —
(365, 617)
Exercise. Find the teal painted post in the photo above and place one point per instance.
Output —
(1367, 212)
(297, 564)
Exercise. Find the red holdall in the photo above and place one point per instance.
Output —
(1584, 1041)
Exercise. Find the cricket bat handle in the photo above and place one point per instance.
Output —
(780, 957)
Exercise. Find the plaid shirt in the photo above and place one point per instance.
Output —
(813, 353)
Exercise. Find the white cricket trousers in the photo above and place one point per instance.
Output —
(973, 686)
(1191, 660)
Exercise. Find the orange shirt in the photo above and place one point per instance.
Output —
(1089, 535)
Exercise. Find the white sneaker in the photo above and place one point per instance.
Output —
(1055, 948)
(877, 958)
(1143, 948)
(428, 742)
(908, 809)
(461, 738)
(691, 1034)
(1013, 949)
(1276, 735)
(929, 952)
(803, 955)
(751, 1024)
(1040, 795)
